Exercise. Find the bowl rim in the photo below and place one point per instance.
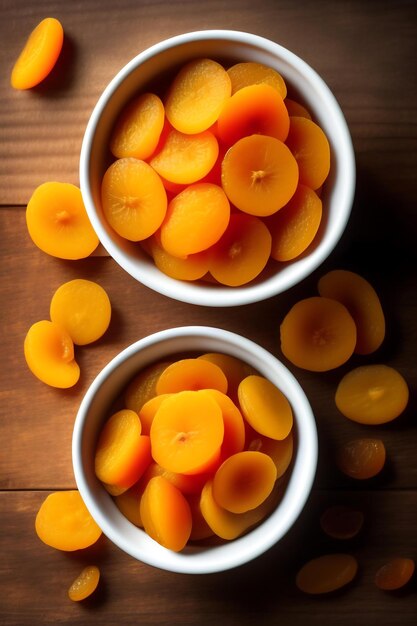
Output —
(258, 540)
(210, 295)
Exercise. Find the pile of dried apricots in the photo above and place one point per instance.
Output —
(212, 187)
(218, 177)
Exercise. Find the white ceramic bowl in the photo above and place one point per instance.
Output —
(156, 64)
(108, 386)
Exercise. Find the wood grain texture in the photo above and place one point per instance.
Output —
(366, 53)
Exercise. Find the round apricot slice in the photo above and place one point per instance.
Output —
(83, 309)
(229, 525)
(341, 522)
(197, 96)
(143, 386)
(191, 375)
(148, 411)
(134, 199)
(187, 432)
(251, 73)
(326, 573)
(57, 221)
(253, 110)
(191, 267)
(362, 302)
(311, 149)
(85, 584)
(128, 502)
(63, 522)
(166, 514)
(265, 407)
(295, 226)
(39, 55)
(185, 159)
(234, 427)
(242, 252)
(259, 175)
(122, 453)
(138, 128)
(49, 354)
(318, 334)
(196, 219)
(244, 481)
(295, 109)
(280, 451)
(394, 574)
(372, 394)
(361, 458)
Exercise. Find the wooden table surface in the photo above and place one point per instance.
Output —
(366, 52)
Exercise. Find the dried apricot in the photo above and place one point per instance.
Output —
(310, 147)
(372, 394)
(394, 574)
(326, 573)
(362, 302)
(318, 334)
(361, 458)
(265, 407)
(341, 522)
(85, 584)
(251, 73)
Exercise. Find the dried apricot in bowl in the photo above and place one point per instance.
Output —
(63, 522)
(39, 55)
(318, 334)
(58, 223)
(252, 73)
(372, 394)
(49, 354)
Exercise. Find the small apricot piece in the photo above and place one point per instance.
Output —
(148, 411)
(311, 149)
(251, 73)
(295, 226)
(63, 522)
(265, 407)
(242, 252)
(361, 458)
(138, 128)
(318, 334)
(143, 386)
(196, 219)
(394, 574)
(85, 583)
(49, 354)
(280, 451)
(372, 394)
(200, 529)
(185, 159)
(234, 426)
(362, 302)
(341, 522)
(134, 199)
(191, 267)
(326, 573)
(83, 309)
(128, 502)
(166, 514)
(229, 525)
(192, 375)
(122, 453)
(187, 432)
(234, 369)
(39, 55)
(253, 110)
(259, 175)
(58, 223)
(244, 480)
(197, 96)
(295, 109)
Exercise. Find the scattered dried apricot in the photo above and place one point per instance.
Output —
(341, 522)
(361, 458)
(85, 584)
(394, 574)
(326, 573)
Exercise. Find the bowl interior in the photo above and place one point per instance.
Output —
(95, 408)
(151, 70)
